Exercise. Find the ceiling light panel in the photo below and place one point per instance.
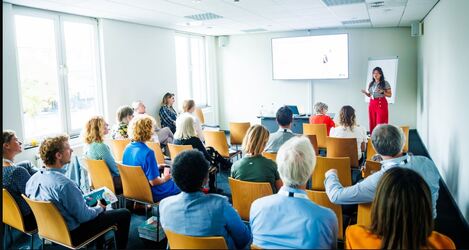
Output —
(341, 2)
(350, 11)
(204, 16)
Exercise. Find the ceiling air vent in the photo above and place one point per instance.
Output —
(341, 2)
(377, 4)
(253, 30)
(360, 21)
(204, 16)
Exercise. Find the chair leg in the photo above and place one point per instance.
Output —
(32, 241)
(115, 240)
(158, 223)
(43, 242)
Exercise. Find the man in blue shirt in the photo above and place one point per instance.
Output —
(194, 213)
(388, 141)
(49, 184)
(289, 219)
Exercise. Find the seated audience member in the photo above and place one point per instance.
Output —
(348, 129)
(124, 115)
(16, 175)
(401, 216)
(189, 107)
(284, 118)
(49, 184)
(167, 113)
(253, 166)
(95, 130)
(137, 153)
(186, 135)
(163, 135)
(289, 219)
(321, 117)
(388, 140)
(206, 214)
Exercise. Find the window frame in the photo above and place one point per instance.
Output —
(58, 19)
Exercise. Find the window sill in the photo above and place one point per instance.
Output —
(73, 141)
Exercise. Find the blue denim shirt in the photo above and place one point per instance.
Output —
(199, 214)
(280, 221)
(49, 184)
(364, 191)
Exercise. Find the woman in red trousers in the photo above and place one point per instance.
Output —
(378, 90)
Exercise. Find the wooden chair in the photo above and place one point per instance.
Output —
(270, 155)
(238, 131)
(118, 147)
(405, 129)
(52, 226)
(217, 140)
(364, 214)
(244, 193)
(320, 130)
(13, 218)
(180, 241)
(370, 168)
(174, 149)
(370, 150)
(343, 147)
(314, 141)
(200, 115)
(321, 199)
(254, 247)
(100, 174)
(156, 147)
(323, 164)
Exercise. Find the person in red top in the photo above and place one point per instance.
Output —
(321, 117)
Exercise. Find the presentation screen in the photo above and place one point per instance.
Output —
(310, 57)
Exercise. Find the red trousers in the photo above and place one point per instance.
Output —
(378, 112)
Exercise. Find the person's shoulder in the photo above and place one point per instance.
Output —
(357, 232)
(423, 161)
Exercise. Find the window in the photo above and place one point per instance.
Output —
(58, 72)
(191, 69)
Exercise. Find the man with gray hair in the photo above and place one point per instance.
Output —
(388, 141)
(289, 219)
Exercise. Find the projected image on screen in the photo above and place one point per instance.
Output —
(310, 57)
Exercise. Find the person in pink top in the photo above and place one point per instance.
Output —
(321, 117)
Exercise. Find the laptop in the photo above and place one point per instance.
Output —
(294, 109)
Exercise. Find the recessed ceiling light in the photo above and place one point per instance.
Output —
(191, 24)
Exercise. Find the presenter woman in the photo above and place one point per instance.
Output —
(378, 90)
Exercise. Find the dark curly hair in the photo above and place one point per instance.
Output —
(50, 146)
(189, 170)
(347, 117)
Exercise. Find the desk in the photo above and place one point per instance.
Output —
(297, 125)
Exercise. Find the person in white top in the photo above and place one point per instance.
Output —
(349, 129)
(189, 107)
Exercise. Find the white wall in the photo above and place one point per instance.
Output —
(139, 63)
(443, 87)
(245, 76)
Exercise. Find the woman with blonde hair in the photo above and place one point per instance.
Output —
(401, 216)
(255, 167)
(167, 113)
(348, 128)
(137, 153)
(188, 107)
(95, 130)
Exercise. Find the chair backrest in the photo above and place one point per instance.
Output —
(156, 147)
(237, 132)
(118, 147)
(200, 115)
(180, 241)
(217, 140)
(321, 199)
(314, 141)
(370, 150)
(370, 168)
(343, 147)
(270, 155)
(320, 130)
(364, 214)
(11, 212)
(174, 149)
(50, 223)
(100, 174)
(244, 193)
(135, 184)
(405, 129)
(323, 164)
